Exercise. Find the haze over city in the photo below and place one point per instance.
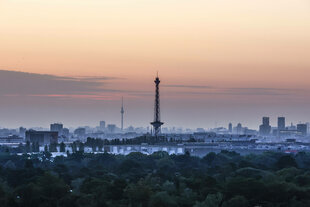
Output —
(219, 62)
(154, 103)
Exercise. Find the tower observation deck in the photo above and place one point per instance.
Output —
(157, 123)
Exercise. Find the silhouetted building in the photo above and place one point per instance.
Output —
(203, 135)
(7, 132)
(22, 132)
(65, 132)
(80, 132)
(288, 133)
(200, 130)
(239, 128)
(292, 127)
(265, 128)
(230, 128)
(56, 127)
(308, 127)
(302, 128)
(42, 137)
(12, 139)
(102, 125)
(266, 121)
(111, 128)
(281, 123)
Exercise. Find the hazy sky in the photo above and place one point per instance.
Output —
(219, 61)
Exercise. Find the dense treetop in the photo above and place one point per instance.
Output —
(223, 179)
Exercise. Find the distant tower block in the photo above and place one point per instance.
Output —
(157, 123)
(122, 115)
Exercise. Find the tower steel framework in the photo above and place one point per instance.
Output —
(157, 123)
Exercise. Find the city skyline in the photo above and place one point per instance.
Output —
(154, 103)
(222, 62)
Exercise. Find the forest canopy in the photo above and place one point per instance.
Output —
(87, 179)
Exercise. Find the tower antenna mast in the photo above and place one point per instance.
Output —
(157, 123)
(122, 115)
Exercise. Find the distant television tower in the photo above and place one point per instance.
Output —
(122, 115)
(157, 123)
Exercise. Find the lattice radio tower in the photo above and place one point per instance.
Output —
(157, 123)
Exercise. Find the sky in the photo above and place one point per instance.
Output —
(219, 61)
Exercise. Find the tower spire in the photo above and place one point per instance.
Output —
(122, 115)
(157, 123)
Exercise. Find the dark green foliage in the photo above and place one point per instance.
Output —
(162, 199)
(35, 147)
(209, 158)
(45, 148)
(74, 147)
(81, 147)
(27, 147)
(105, 180)
(53, 147)
(62, 147)
(286, 161)
(237, 201)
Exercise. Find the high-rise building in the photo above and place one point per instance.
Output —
(239, 128)
(22, 132)
(265, 128)
(281, 123)
(302, 128)
(80, 132)
(57, 127)
(308, 127)
(266, 121)
(102, 125)
(111, 128)
(230, 127)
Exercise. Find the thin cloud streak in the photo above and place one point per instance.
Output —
(227, 93)
(95, 78)
(213, 90)
(188, 86)
(21, 84)
(70, 96)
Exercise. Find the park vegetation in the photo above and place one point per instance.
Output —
(225, 179)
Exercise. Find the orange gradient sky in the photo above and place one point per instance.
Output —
(212, 56)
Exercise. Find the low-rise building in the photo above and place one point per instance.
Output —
(12, 139)
(41, 137)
